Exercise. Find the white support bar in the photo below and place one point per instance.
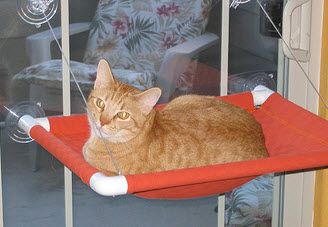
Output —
(223, 84)
(1, 194)
(65, 42)
(224, 48)
(221, 210)
(109, 186)
(278, 201)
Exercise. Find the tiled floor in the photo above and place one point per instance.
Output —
(33, 199)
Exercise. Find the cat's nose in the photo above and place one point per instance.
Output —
(103, 121)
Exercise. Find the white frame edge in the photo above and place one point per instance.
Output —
(108, 186)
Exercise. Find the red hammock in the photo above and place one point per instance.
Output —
(295, 138)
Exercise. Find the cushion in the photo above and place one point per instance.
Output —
(49, 74)
(250, 204)
(134, 35)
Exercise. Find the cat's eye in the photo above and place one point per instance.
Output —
(123, 115)
(100, 103)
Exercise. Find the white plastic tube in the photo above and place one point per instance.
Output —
(27, 122)
(108, 186)
(261, 94)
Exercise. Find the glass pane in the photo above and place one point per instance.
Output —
(32, 179)
(253, 46)
(173, 45)
(253, 60)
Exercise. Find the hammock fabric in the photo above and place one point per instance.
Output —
(295, 138)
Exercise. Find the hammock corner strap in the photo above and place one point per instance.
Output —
(296, 139)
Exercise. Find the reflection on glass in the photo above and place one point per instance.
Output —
(253, 53)
(32, 183)
(37, 12)
(157, 44)
(253, 46)
(154, 41)
(247, 81)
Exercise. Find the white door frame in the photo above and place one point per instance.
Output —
(299, 188)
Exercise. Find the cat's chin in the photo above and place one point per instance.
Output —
(112, 139)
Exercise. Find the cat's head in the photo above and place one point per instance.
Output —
(120, 111)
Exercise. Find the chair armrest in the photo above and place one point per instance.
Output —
(194, 46)
(176, 61)
(38, 45)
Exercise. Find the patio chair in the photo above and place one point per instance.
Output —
(148, 44)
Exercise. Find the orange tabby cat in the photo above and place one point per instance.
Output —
(190, 131)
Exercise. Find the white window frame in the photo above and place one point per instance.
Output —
(297, 189)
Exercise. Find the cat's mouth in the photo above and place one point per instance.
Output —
(108, 132)
(114, 136)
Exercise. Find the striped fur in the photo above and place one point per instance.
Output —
(190, 131)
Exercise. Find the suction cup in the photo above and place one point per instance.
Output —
(37, 12)
(249, 80)
(13, 116)
(260, 78)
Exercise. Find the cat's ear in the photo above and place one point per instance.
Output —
(148, 99)
(104, 75)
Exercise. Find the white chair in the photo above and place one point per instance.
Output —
(147, 45)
